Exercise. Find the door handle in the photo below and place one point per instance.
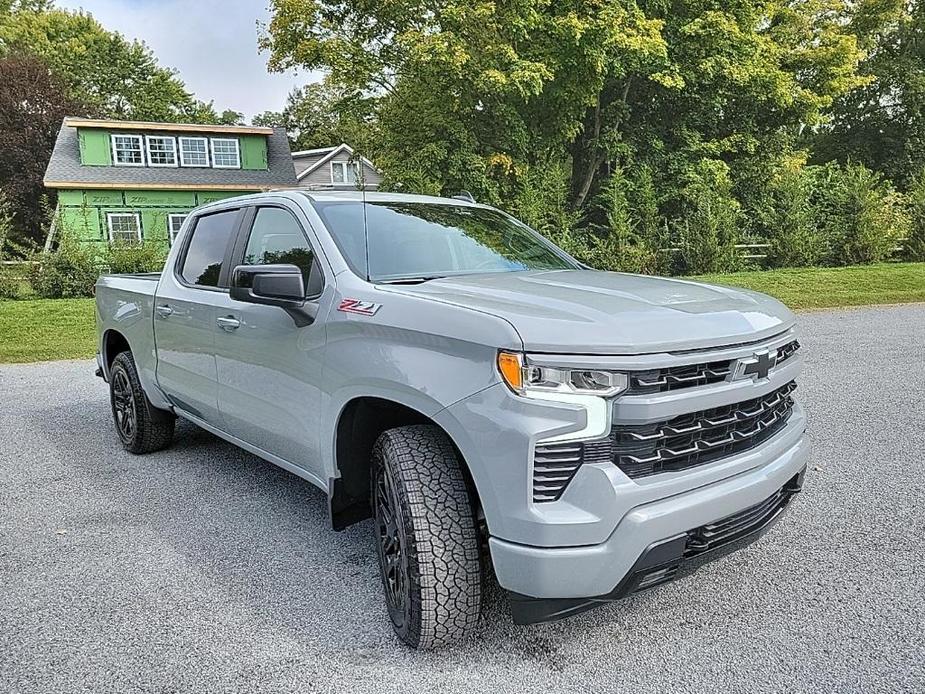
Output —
(228, 323)
(164, 310)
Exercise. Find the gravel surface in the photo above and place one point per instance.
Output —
(204, 569)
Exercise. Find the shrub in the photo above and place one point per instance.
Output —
(70, 271)
(789, 219)
(618, 240)
(145, 257)
(915, 243)
(13, 281)
(540, 198)
(709, 229)
(861, 217)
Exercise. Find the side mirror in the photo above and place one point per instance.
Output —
(271, 285)
(274, 285)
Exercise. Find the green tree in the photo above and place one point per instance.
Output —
(882, 123)
(113, 77)
(790, 219)
(593, 83)
(711, 220)
(321, 115)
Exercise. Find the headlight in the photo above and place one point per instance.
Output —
(524, 377)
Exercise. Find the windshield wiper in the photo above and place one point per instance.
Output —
(411, 280)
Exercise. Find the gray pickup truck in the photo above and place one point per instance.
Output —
(492, 404)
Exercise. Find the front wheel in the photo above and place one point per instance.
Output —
(141, 427)
(426, 536)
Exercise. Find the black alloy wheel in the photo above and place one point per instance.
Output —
(123, 406)
(393, 558)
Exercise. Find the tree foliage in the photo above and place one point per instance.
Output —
(882, 123)
(113, 77)
(33, 102)
(625, 128)
(321, 115)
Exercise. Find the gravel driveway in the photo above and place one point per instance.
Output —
(204, 569)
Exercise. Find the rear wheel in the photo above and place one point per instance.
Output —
(426, 537)
(141, 427)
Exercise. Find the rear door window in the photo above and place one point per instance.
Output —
(207, 248)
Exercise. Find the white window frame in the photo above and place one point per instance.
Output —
(171, 234)
(183, 162)
(237, 150)
(141, 146)
(148, 139)
(344, 165)
(136, 215)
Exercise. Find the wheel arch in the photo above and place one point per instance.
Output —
(112, 343)
(361, 421)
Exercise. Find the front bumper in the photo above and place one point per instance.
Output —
(670, 558)
(600, 572)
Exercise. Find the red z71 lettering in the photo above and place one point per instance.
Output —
(364, 308)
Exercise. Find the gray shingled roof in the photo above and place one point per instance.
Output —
(65, 166)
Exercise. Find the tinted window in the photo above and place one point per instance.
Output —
(277, 238)
(408, 240)
(206, 250)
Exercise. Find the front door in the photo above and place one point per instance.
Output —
(184, 316)
(269, 370)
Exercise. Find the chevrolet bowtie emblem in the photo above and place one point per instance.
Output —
(756, 366)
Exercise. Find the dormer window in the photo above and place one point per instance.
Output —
(128, 150)
(162, 150)
(225, 153)
(194, 151)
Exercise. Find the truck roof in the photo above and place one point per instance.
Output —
(374, 196)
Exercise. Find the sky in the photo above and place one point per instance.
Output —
(212, 44)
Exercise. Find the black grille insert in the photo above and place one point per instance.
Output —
(691, 375)
(700, 437)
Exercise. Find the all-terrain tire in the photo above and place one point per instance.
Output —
(437, 532)
(142, 428)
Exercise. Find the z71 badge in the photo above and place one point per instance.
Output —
(364, 308)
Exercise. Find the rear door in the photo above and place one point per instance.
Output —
(184, 315)
(269, 370)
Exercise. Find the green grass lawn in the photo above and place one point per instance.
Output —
(45, 329)
(827, 287)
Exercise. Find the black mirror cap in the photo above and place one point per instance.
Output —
(271, 285)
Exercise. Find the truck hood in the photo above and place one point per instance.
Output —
(591, 312)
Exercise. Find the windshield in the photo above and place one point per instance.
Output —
(419, 241)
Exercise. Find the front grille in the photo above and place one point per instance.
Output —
(700, 437)
(691, 375)
(680, 443)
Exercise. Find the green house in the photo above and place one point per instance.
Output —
(127, 181)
